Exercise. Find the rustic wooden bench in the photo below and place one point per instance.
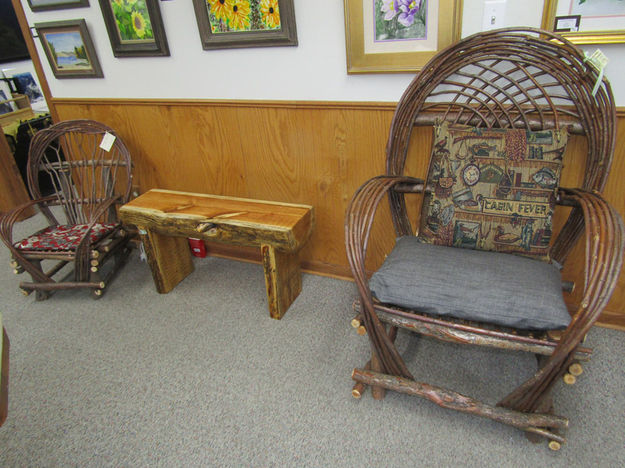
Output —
(166, 218)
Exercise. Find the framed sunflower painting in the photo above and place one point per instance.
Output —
(227, 24)
(135, 28)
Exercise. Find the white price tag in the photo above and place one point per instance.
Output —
(107, 141)
(598, 61)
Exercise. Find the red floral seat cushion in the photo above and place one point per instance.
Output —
(63, 238)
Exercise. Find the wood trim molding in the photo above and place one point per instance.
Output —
(243, 103)
(348, 105)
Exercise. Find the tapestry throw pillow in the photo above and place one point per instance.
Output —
(493, 189)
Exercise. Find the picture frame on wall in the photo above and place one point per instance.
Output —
(245, 23)
(586, 21)
(43, 5)
(135, 28)
(396, 36)
(69, 49)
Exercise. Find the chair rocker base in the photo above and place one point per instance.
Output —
(539, 424)
(119, 248)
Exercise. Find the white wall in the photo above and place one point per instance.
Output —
(314, 70)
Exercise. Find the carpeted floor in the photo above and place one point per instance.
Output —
(203, 377)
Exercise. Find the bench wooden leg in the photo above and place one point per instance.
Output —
(283, 279)
(169, 259)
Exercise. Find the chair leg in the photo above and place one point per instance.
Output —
(120, 257)
(40, 294)
(545, 405)
(375, 365)
(378, 392)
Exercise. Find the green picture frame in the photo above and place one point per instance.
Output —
(135, 28)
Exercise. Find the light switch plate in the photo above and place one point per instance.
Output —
(494, 15)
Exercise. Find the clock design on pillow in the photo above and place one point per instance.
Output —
(471, 174)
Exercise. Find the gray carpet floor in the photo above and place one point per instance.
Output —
(203, 376)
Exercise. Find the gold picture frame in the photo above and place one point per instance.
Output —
(358, 38)
(609, 35)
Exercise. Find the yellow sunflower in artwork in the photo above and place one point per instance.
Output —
(138, 24)
(222, 9)
(240, 16)
(270, 13)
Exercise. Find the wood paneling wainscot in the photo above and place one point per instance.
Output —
(314, 153)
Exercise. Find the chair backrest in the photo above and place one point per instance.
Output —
(81, 168)
(509, 78)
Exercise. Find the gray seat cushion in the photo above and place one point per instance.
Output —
(474, 285)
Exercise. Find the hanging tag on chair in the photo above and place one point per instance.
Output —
(107, 141)
(598, 61)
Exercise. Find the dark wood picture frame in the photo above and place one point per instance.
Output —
(137, 48)
(36, 5)
(70, 26)
(285, 36)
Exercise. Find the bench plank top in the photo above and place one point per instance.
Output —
(241, 221)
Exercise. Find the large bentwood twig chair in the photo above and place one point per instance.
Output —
(501, 104)
(89, 181)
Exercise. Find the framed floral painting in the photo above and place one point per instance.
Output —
(245, 23)
(43, 5)
(69, 49)
(135, 27)
(386, 36)
(586, 21)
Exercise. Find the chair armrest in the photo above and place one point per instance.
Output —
(8, 219)
(358, 220)
(605, 240)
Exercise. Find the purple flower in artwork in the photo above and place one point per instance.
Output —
(389, 7)
(408, 9)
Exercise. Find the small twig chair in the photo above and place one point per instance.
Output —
(89, 181)
(504, 79)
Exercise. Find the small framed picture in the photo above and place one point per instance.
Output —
(135, 28)
(245, 23)
(43, 5)
(69, 49)
(586, 21)
(567, 23)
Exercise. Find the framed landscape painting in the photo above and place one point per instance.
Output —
(586, 21)
(135, 27)
(43, 5)
(393, 36)
(69, 49)
(245, 23)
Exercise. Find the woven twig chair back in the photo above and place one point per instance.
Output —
(82, 171)
(514, 78)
